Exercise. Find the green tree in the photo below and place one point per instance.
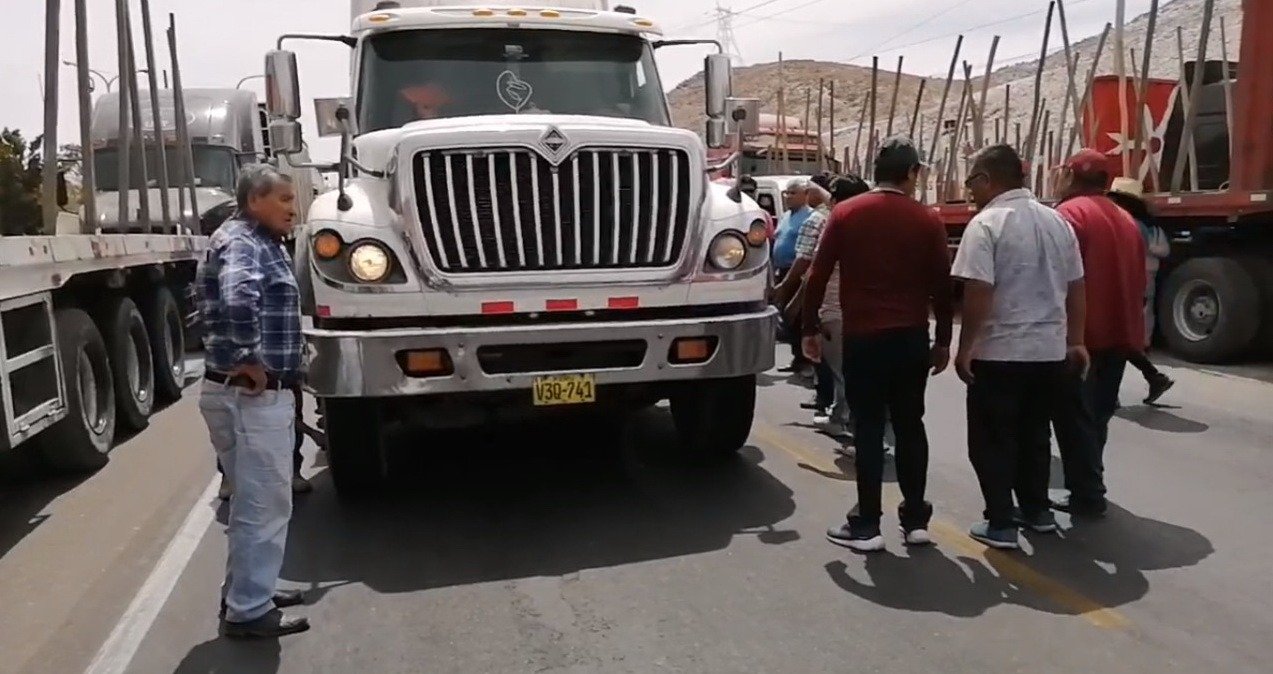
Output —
(20, 166)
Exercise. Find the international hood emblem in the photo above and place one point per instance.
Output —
(554, 141)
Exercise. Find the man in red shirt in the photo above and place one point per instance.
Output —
(894, 268)
(1113, 253)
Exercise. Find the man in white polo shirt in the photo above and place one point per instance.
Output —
(1023, 318)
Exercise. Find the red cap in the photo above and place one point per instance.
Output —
(1088, 162)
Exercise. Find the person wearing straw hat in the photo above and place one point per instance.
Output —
(1128, 193)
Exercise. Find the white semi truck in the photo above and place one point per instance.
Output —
(518, 231)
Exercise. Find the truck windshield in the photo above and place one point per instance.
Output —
(213, 167)
(412, 75)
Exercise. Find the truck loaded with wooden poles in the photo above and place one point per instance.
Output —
(93, 311)
(1201, 145)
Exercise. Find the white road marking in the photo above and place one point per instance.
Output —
(117, 652)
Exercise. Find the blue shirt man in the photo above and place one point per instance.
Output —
(796, 199)
(249, 301)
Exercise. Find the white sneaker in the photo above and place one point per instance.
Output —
(917, 537)
(226, 490)
(821, 419)
(301, 486)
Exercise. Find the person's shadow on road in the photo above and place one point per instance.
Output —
(223, 656)
(1102, 562)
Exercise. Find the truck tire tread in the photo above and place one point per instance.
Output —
(1238, 321)
(70, 446)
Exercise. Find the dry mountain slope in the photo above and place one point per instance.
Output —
(853, 82)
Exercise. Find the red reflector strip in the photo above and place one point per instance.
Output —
(497, 307)
(561, 305)
(323, 311)
(624, 302)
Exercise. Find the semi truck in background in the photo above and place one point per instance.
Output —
(518, 231)
(91, 329)
(228, 129)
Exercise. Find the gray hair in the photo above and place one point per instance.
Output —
(797, 185)
(258, 180)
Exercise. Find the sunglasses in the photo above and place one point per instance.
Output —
(973, 177)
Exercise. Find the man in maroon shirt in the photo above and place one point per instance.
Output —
(894, 268)
(1113, 253)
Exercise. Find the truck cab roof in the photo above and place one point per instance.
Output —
(557, 14)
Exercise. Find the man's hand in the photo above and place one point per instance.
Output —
(255, 374)
(963, 366)
(811, 345)
(939, 358)
(1079, 359)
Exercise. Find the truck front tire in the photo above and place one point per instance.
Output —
(1210, 310)
(80, 441)
(713, 417)
(355, 445)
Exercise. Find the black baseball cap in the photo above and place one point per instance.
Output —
(848, 186)
(898, 151)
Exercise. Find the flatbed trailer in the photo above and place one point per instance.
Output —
(93, 323)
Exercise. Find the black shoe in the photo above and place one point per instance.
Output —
(1083, 509)
(811, 405)
(1158, 385)
(275, 623)
(282, 599)
(857, 535)
(1041, 523)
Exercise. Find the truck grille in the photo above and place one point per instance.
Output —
(511, 210)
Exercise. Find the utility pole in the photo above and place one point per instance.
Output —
(725, 34)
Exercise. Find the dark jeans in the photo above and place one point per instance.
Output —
(1140, 360)
(1009, 444)
(885, 376)
(823, 384)
(1081, 420)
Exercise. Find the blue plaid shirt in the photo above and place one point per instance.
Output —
(249, 301)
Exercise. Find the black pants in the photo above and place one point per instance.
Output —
(1081, 420)
(823, 384)
(885, 376)
(1140, 360)
(1009, 444)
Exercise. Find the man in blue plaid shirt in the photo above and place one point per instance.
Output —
(251, 311)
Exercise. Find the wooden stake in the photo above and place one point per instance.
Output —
(1143, 120)
(915, 118)
(831, 96)
(974, 112)
(782, 115)
(1071, 68)
(941, 109)
(979, 138)
(875, 76)
(1038, 85)
(1195, 90)
(1088, 105)
(1017, 135)
(1120, 69)
(1228, 89)
(1142, 96)
(804, 133)
(892, 105)
(857, 136)
(822, 164)
(952, 166)
(1007, 116)
(998, 131)
(1041, 184)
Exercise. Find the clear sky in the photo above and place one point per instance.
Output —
(221, 41)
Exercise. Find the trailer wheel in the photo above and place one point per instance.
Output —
(81, 440)
(131, 361)
(1261, 270)
(356, 452)
(1210, 310)
(713, 418)
(167, 333)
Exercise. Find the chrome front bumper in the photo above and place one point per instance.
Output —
(361, 364)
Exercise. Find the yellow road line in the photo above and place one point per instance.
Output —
(1010, 567)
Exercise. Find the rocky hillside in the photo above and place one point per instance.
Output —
(853, 82)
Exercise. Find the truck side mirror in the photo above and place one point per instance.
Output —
(285, 136)
(282, 85)
(717, 82)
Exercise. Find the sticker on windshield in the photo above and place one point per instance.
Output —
(513, 90)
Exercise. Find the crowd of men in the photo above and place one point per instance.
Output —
(1055, 302)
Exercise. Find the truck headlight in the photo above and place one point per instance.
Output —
(728, 250)
(369, 262)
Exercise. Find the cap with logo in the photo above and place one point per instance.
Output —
(1088, 163)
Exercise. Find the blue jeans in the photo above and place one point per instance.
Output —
(253, 436)
(1081, 420)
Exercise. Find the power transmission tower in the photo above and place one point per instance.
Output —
(725, 33)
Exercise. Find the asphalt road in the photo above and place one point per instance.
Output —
(487, 554)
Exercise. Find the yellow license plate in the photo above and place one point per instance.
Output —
(564, 389)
